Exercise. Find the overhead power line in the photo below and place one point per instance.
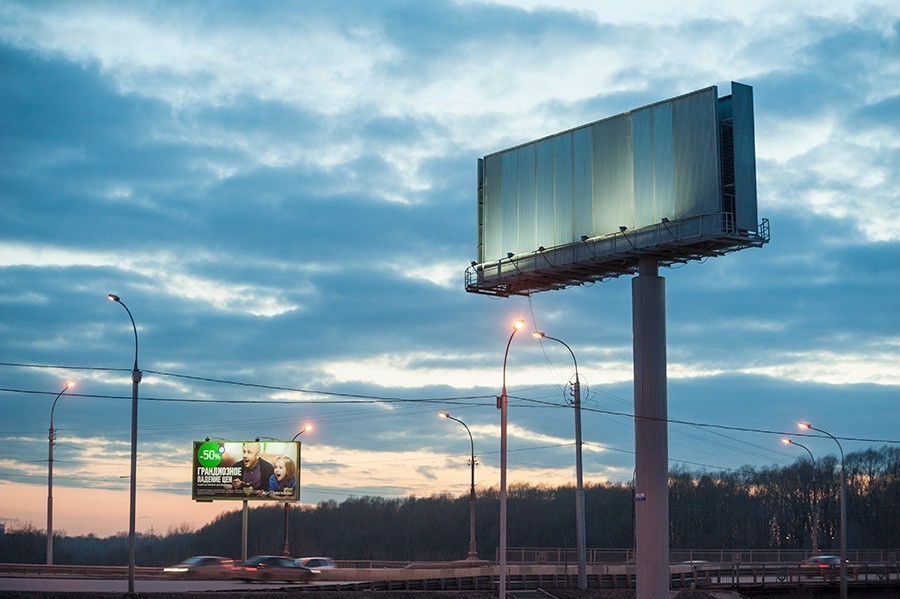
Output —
(359, 398)
(702, 424)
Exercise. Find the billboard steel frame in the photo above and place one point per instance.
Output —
(600, 258)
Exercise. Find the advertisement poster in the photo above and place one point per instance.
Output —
(252, 470)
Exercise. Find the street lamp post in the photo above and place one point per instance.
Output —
(135, 380)
(473, 552)
(815, 508)
(806, 425)
(52, 438)
(502, 405)
(285, 551)
(579, 479)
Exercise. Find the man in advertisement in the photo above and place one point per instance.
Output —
(255, 471)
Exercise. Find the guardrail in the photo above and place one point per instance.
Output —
(559, 555)
(760, 575)
(70, 571)
(780, 575)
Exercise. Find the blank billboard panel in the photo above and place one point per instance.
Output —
(686, 158)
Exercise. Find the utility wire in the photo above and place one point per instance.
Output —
(702, 424)
(347, 398)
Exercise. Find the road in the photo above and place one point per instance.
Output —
(757, 577)
(92, 585)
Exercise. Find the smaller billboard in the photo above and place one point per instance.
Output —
(246, 470)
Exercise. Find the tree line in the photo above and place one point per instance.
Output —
(749, 508)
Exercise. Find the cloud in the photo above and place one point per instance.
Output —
(286, 200)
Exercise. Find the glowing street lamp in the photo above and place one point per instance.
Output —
(305, 429)
(806, 425)
(285, 551)
(503, 407)
(815, 508)
(473, 553)
(135, 379)
(579, 479)
(52, 438)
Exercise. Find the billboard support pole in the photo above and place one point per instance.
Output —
(650, 431)
(244, 532)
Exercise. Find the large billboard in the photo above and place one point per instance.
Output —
(252, 470)
(675, 180)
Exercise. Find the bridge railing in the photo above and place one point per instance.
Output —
(569, 555)
(769, 575)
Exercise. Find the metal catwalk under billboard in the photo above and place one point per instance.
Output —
(246, 470)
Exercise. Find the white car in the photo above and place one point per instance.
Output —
(202, 566)
(316, 563)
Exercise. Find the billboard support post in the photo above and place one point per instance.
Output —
(650, 431)
(244, 532)
(285, 551)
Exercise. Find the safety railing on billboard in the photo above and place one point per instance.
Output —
(595, 259)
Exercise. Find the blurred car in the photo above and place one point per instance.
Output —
(826, 567)
(316, 563)
(272, 567)
(202, 566)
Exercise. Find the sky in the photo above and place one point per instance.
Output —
(284, 197)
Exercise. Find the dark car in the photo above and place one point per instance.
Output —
(272, 567)
(826, 567)
(202, 566)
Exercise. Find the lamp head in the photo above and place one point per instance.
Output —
(538, 335)
(665, 219)
(509, 255)
(519, 325)
(623, 228)
(804, 425)
(113, 297)
(584, 238)
(473, 264)
(786, 441)
(307, 428)
(443, 414)
(70, 384)
(541, 248)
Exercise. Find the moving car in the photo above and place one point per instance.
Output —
(826, 567)
(317, 563)
(272, 567)
(202, 566)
